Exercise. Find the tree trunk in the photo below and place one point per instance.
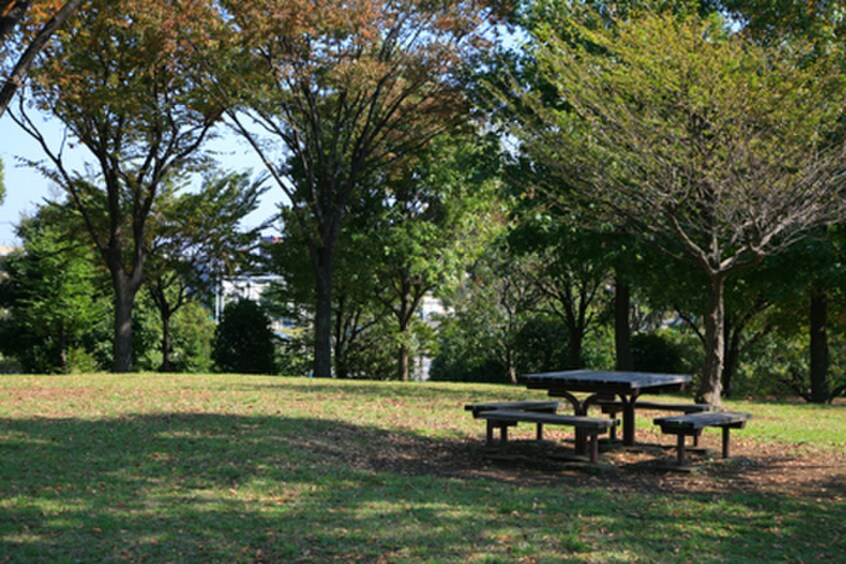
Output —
(63, 350)
(122, 346)
(819, 345)
(622, 328)
(574, 342)
(166, 341)
(404, 316)
(323, 313)
(404, 358)
(731, 340)
(710, 389)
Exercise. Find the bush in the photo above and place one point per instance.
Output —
(243, 341)
(541, 345)
(193, 335)
(653, 352)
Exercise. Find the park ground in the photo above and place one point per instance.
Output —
(254, 469)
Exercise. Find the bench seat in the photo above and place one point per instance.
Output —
(590, 426)
(613, 406)
(692, 425)
(544, 406)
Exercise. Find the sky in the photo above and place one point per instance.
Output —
(26, 187)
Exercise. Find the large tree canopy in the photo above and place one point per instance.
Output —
(330, 93)
(722, 150)
(116, 78)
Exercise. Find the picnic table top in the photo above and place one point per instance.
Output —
(605, 381)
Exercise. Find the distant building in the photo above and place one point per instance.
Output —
(246, 288)
(432, 310)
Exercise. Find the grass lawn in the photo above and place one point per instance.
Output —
(243, 468)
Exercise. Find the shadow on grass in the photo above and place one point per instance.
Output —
(238, 488)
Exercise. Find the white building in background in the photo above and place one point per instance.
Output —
(432, 310)
(244, 288)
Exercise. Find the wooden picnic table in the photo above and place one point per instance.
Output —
(604, 385)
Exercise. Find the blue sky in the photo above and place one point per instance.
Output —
(26, 187)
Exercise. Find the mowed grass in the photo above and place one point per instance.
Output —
(242, 468)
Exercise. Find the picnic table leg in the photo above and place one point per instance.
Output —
(594, 448)
(680, 440)
(628, 419)
(489, 433)
(725, 442)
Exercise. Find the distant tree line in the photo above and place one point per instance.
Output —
(633, 185)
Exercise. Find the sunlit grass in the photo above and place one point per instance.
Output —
(242, 468)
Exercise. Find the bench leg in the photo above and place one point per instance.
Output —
(489, 433)
(725, 442)
(696, 439)
(539, 433)
(594, 448)
(629, 424)
(680, 452)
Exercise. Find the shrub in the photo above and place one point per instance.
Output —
(243, 341)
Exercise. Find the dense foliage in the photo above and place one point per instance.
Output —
(639, 185)
(243, 341)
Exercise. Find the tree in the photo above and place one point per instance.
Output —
(342, 93)
(816, 275)
(431, 226)
(196, 239)
(2, 184)
(721, 150)
(354, 311)
(572, 267)
(500, 302)
(12, 12)
(52, 291)
(243, 341)
(113, 79)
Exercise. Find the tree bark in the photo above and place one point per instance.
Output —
(622, 328)
(819, 345)
(574, 342)
(404, 315)
(710, 389)
(166, 365)
(404, 358)
(122, 346)
(323, 312)
(731, 340)
(341, 365)
(512, 373)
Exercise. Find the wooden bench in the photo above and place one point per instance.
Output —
(544, 406)
(539, 406)
(692, 425)
(592, 427)
(612, 407)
